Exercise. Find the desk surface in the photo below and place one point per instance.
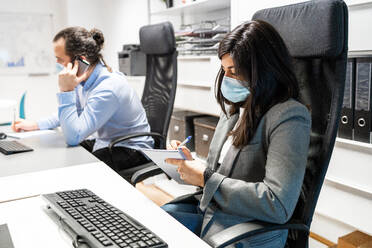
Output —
(30, 227)
(50, 151)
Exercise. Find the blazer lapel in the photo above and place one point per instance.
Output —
(224, 126)
(228, 161)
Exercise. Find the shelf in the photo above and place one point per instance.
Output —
(359, 53)
(349, 187)
(354, 145)
(196, 7)
(197, 57)
(352, 3)
(206, 85)
(132, 78)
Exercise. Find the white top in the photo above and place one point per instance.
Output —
(228, 142)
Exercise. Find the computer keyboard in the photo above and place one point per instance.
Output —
(10, 147)
(97, 223)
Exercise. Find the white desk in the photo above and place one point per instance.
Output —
(50, 151)
(30, 227)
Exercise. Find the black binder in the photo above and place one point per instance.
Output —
(362, 118)
(346, 126)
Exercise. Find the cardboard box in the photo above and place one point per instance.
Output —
(204, 131)
(355, 239)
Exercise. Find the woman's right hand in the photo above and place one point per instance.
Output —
(175, 144)
(24, 125)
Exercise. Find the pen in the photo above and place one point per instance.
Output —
(183, 143)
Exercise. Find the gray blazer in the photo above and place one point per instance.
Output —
(261, 181)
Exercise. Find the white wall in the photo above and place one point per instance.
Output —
(40, 99)
(119, 21)
(360, 19)
(242, 10)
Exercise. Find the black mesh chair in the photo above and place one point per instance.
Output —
(316, 34)
(158, 43)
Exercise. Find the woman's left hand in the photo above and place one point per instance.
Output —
(191, 171)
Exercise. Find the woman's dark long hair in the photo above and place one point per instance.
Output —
(262, 59)
(81, 42)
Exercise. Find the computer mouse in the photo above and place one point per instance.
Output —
(2, 136)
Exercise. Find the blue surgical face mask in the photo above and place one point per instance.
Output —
(234, 90)
(59, 68)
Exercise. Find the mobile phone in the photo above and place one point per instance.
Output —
(83, 66)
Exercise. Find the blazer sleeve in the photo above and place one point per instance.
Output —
(273, 199)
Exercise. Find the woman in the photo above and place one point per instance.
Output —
(258, 154)
(96, 102)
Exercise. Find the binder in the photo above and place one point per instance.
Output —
(362, 118)
(346, 127)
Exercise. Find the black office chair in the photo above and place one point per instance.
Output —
(316, 34)
(158, 43)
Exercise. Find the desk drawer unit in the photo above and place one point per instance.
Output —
(204, 131)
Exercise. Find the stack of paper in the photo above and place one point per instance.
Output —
(23, 135)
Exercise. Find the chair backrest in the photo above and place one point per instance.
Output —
(158, 43)
(316, 34)
(22, 112)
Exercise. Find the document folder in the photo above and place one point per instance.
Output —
(362, 119)
(158, 156)
(346, 126)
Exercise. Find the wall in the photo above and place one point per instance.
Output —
(119, 22)
(41, 90)
(360, 18)
(242, 10)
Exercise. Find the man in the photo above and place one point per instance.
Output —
(96, 105)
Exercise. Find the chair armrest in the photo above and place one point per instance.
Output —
(141, 175)
(135, 135)
(245, 230)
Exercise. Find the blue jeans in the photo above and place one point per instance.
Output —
(187, 214)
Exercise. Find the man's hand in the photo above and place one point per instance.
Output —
(24, 125)
(67, 78)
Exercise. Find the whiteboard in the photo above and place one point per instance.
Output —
(26, 43)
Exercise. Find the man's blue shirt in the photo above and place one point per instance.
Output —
(106, 107)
